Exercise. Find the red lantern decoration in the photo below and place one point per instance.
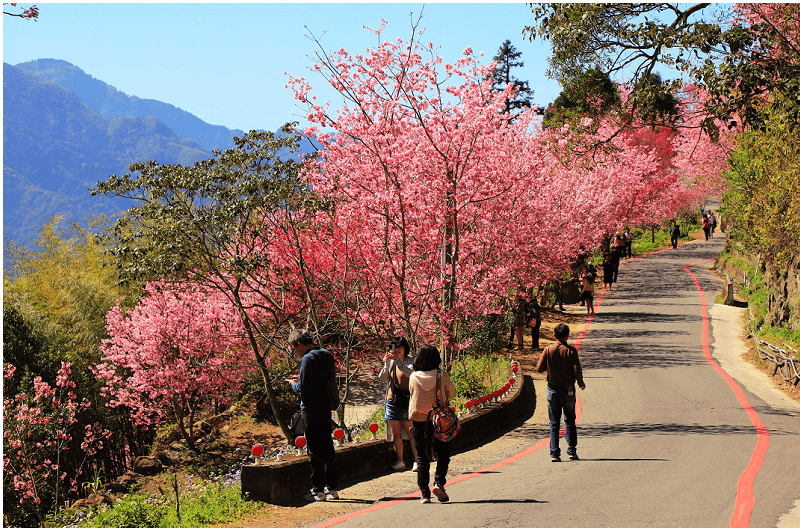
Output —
(258, 450)
(468, 405)
(373, 428)
(495, 393)
(300, 442)
(338, 433)
(483, 399)
(511, 381)
(453, 408)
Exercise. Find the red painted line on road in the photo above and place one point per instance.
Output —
(745, 496)
(538, 446)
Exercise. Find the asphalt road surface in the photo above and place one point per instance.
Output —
(666, 437)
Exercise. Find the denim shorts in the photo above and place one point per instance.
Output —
(398, 410)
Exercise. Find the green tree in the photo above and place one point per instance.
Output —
(507, 58)
(214, 224)
(631, 40)
(592, 94)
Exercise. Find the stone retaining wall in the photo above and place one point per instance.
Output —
(287, 482)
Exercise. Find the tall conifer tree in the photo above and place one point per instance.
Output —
(507, 58)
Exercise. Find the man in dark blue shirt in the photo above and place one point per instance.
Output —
(316, 368)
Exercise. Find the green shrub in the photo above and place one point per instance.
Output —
(133, 510)
(476, 376)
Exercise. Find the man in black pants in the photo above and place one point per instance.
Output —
(316, 368)
(675, 234)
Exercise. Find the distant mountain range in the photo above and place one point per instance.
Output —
(64, 131)
(111, 103)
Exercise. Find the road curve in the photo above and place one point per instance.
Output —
(667, 438)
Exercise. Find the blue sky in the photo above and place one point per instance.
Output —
(225, 63)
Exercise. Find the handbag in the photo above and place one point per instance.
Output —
(398, 385)
(444, 420)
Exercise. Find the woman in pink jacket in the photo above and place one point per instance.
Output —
(423, 386)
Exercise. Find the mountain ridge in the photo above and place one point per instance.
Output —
(111, 103)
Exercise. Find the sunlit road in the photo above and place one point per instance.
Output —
(664, 439)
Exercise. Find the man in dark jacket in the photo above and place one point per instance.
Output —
(563, 368)
(316, 368)
(675, 234)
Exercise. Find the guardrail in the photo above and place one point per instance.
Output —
(785, 363)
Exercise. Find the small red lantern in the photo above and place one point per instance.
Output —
(300, 442)
(468, 405)
(338, 433)
(511, 381)
(495, 393)
(373, 427)
(453, 408)
(483, 399)
(258, 450)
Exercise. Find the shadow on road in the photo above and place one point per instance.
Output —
(639, 428)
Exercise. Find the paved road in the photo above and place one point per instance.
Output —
(666, 438)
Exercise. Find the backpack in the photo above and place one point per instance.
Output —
(444, 420)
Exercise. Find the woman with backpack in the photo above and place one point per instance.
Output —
(430, 386)
(397, 368)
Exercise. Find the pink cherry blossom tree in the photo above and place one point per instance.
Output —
(174, 352)
(426, 164)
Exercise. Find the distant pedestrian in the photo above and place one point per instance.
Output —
(712, 219)
(706, 226)
(534, 321)
(560, 361)
(628, 237)
(587, 290)
(397, 369)
(519, 312)
(608, 271)
(675, 233)
(426, 381)
(614, 256)
(317, 367)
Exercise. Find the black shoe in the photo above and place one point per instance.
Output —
(555, 459)
(574, 457)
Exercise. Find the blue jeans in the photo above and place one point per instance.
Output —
(562, 400)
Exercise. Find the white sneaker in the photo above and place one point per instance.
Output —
(333, 495)
(319, 496)
(399, 465)
(415, 467)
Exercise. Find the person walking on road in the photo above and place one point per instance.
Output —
(675, 234)
(317, 366)
(534, 321)
(397, 370)
(628, 237)
(560, 361)
(519, 312)
(706, 226)
(425, 382)
(608, 271)
(588, 276)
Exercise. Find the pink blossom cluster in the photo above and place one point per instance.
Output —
(38, 429)
(178, 348)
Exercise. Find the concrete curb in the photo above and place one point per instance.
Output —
(287, 482)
